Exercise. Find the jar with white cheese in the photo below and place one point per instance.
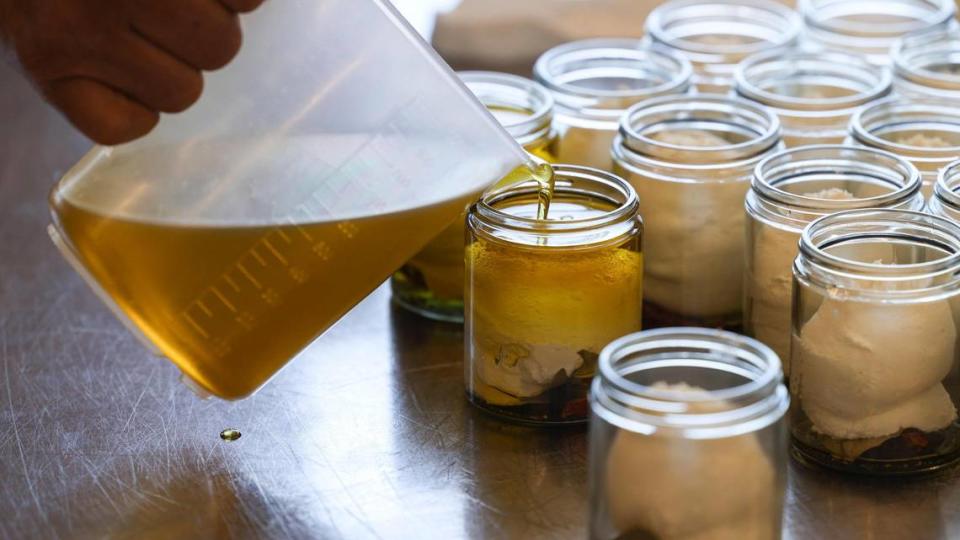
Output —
(594, 81)
(544, 296)
(717, 35)
(788, 191)
(813, 94)
(870, 27)
(927, 64)
(687, 438)
(945, 201)
(690, 159)
(874, 360)
(926, 132)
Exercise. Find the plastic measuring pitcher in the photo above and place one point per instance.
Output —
(328, 152)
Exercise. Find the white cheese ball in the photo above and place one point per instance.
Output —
(527, 370)
(867, 370)
(770, 281)
(675, 488)
(693, 235)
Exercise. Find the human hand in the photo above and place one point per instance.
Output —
(112, 66)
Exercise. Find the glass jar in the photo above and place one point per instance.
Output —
(431, 283)
(594, 81)
(788, 191)
(927, 64)
(687, 437)
(544, 296)
(945, 201)
(875, 381)
(715, 36)
(925, 132)
(869, 28)
(690, 159)
(814, 94)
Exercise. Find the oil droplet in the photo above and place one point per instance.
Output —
(230, 434)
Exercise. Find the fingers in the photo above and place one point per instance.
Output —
(241, 6)
(201, 33)
(148, 74)
(102, 113)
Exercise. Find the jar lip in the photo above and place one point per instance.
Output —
(815, 18)
(862, 125)
(487, 212)
(948, 182)
(836, 64)
(665, 109)
(598, 102)
(928, 45)
(658, 22)
(812, 247)
(739, 408)
(540, 117)
(765, 188)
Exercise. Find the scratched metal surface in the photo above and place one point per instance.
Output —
(367, 435)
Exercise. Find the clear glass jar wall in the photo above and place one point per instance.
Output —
(927, 64)
(874, 372)
(791, 189)
(687, 437)
(945, 201)
(715, 36)
(813, 94)
(594, 81)
(926, 132)
(431, 283)
(869, 27)
(544, 297)
(690, 159)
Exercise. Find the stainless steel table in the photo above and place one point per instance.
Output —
(366, 435)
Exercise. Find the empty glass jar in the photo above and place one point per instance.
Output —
(715, 36)
(814, 94)
(690, 159)
(687, 438)
(945, 201)
(793, 188)
(594, 81)
(874, 372)
(927, 64)
(926, 132)
(431, 283)
(544, 296)
(869, 28)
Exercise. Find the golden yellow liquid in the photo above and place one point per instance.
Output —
(230, 305)
(538, 316)
(432, 281)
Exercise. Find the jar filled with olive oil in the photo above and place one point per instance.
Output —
(431, 283)
(546, 292)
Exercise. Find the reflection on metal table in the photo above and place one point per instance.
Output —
(366, 435)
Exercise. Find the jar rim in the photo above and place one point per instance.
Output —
(816, 236)
(758, 119)
(637, 406)
(863, 125)
(838, 157)
(948, 182)
(541, 115)
(941, 43)
(610, 103)
(487, 212)
(659, 20)
(837, 64)
(815, 18)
